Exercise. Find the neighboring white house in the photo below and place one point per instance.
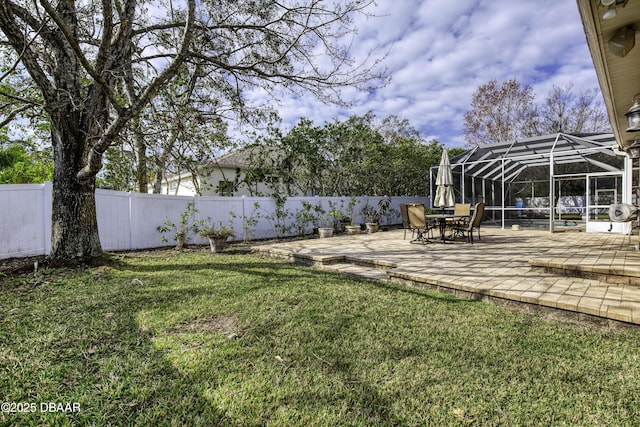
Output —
(225, 176)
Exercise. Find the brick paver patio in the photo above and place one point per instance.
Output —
(594, 276)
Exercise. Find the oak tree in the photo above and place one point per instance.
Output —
(500, 113)
(98, 64)
(565, 111)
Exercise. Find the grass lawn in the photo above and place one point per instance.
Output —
(192, 338)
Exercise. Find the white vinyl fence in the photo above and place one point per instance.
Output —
(130, 220)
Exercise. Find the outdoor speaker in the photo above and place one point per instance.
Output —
(622, 41)
(622, 212)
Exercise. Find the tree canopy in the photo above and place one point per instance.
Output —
(565, 111)
(500, 113)
(20, 166)
(507, 111)
(357, 156)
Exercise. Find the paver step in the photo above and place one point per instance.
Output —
(613, 272)
(585, 297)
(567, 274)
(358, 270)
(557, 292)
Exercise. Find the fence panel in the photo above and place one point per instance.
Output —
(263, 209)
(148, 211)
(130, 220)
(22, 225)
(114, 225)
(217, 211)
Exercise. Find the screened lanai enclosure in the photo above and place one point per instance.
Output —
(559, 182)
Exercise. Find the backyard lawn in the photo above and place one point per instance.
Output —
(192, 338)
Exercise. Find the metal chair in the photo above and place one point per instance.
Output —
(418, 223)
(404, 212)
(474, 223)
(624, 212)
(461, 217)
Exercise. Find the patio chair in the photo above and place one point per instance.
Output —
(462, 209)
(404, 212)
(474, 223)
(462, 215)
(418, 223)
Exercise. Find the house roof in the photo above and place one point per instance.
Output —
(491, 160)
(234, 159)
(240, 158)
(619, 77)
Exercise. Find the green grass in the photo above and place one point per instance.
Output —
(166, 338)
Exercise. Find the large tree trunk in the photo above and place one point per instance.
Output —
(74, 227)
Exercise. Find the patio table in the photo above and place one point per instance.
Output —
(442, 220)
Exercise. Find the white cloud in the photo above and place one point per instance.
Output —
(440, 52)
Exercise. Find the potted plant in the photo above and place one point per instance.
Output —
(217, 236)
(372, 215)
(352, 227)
(187, 227)
(337, 216)
(324, 232)
(327, 220)
(371, 218)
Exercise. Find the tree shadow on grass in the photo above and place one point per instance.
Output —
(343, 393)
(104, 362)
(103, 357)
(275, 274)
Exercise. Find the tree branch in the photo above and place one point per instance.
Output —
(9, 25)
(94, 158)
(12, 115)
(73, 44)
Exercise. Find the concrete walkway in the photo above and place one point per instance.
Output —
(591, 276)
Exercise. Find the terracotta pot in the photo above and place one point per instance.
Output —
(372, 227)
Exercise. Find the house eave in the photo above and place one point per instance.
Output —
(619, 77)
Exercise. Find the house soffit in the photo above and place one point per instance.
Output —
(619, 77)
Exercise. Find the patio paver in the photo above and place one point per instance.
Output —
(591, 275)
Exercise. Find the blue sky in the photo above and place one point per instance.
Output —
(439, 52)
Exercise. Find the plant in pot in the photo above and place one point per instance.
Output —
(187, 227)
(218, 236)
(352, 227)
(327, 221)
(371, 218)
(388, 215)
(340, 218)
(372, 215)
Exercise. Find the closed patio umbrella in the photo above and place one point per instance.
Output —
(444, 183)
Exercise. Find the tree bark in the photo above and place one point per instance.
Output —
(141, 159)
(157, 183)
(74, 227)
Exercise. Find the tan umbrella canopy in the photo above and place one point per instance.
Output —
(444, 183)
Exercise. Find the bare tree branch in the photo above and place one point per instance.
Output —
(94, 159)
(12, 115)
